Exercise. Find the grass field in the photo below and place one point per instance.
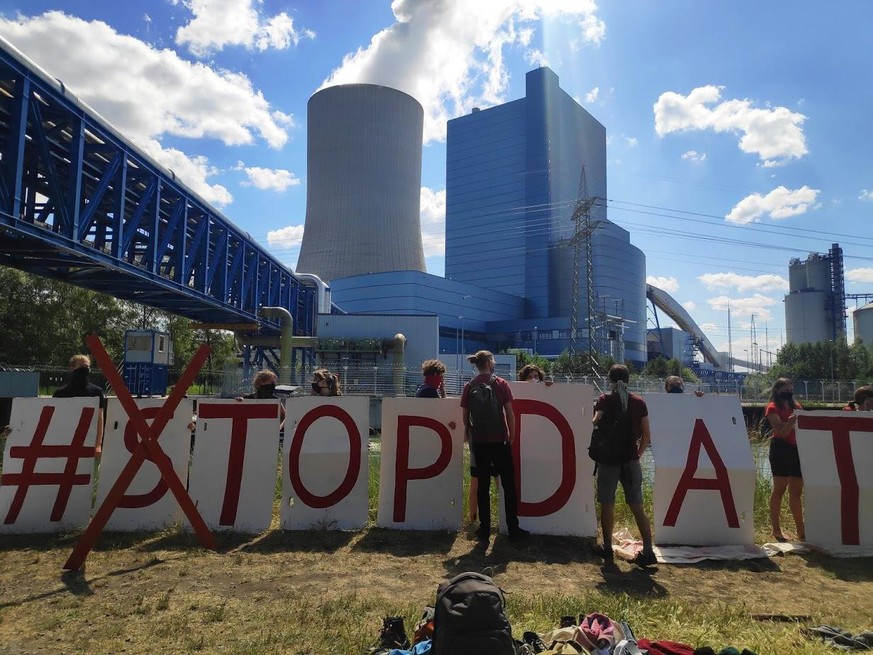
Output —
(321, 592)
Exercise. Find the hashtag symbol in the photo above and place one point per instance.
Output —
(65, 481)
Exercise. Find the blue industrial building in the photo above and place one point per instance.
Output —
(512, 181)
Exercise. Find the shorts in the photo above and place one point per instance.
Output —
(630, 474)
(784, 459)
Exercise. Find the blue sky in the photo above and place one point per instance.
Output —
(738, 133)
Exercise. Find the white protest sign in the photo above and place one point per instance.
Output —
(421, 481)
(325, 473)
(704, 470)
(553, 470)
(148, 503)
(234, 468)
(48, 464)
(836, 459)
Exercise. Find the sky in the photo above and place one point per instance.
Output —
(738, 134)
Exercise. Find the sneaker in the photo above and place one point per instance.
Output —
(604, 553)
(644, 559)
(393, 634)
(518, 534)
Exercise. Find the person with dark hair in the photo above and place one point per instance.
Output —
(325, 383)
(862, 401)
(609, 406)
(433, 371)
(675, 384)
(490, 425)
(784, 459)
(79, 386)
(531, 373)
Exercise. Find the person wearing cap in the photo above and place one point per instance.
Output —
(491, 448)
(862, 401)
(675, 384)
(80, 386)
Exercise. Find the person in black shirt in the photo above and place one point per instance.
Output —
(79, 386)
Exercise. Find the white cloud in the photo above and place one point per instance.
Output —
(448, 54)
(221, 23)
(758, 305)
(779, 203)
(694, 156)
(864, 275)
(668, 284)
(591, 96)
(536, 57)
(631, 141)
(774, 134)
(275, 179)
(690, 305)
(433, 221)
(866, 195)
(155, 93)
(709, 328)
(744, 283)
(286, 238)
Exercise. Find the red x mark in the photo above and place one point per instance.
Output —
(148, 446)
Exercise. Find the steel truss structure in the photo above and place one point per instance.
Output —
(80, 203)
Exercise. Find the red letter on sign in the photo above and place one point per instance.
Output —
(849, 492)
(352, 473)
(562, 494)
(240, 413)
(402, 472)
(701, 437)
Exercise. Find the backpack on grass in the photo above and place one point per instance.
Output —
(486, 412)
(469, 618)
(612, 439)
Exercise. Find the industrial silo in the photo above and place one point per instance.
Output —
(806, 318)
(818, 272)
(862, 319)
(363, 182)
(797, 276)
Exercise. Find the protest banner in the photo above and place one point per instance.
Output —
(704, 484)
(421, 481)
(48, 464)
(233, 467)
(325, 463)
(836, 459)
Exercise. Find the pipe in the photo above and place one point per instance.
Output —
(287, 323)
(399, 365)
(321, 286)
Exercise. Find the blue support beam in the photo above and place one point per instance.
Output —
(80, 203)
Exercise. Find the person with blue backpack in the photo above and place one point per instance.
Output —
(490, 426)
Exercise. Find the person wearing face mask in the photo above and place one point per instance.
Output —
(784, 459)
(674, 384)
(325, 383)
(264, 384)
(862, 400)
(79, 386)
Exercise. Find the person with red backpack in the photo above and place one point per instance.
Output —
(627, 416)
(490, 426)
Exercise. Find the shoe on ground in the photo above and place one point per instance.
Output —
(518, 534)
(604, 553)
(644, 559)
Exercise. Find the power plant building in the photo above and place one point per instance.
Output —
(363, 182)
(862, 321)
(815, 307)
(512, 182)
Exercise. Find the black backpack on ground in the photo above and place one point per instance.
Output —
(470, 619)
(486, 412)
(613, 440)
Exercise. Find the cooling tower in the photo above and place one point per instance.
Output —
(863, 321)
(363, 182)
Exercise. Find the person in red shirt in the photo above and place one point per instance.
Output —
(784, 460)
(628, 472)
(491, 446)
(862, 400)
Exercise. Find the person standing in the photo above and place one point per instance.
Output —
(862, 401)
(433, 372)
(79, 386)
(784, 458)
(675, 384)
(486, 403)
(608, 408)
(325, 383)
